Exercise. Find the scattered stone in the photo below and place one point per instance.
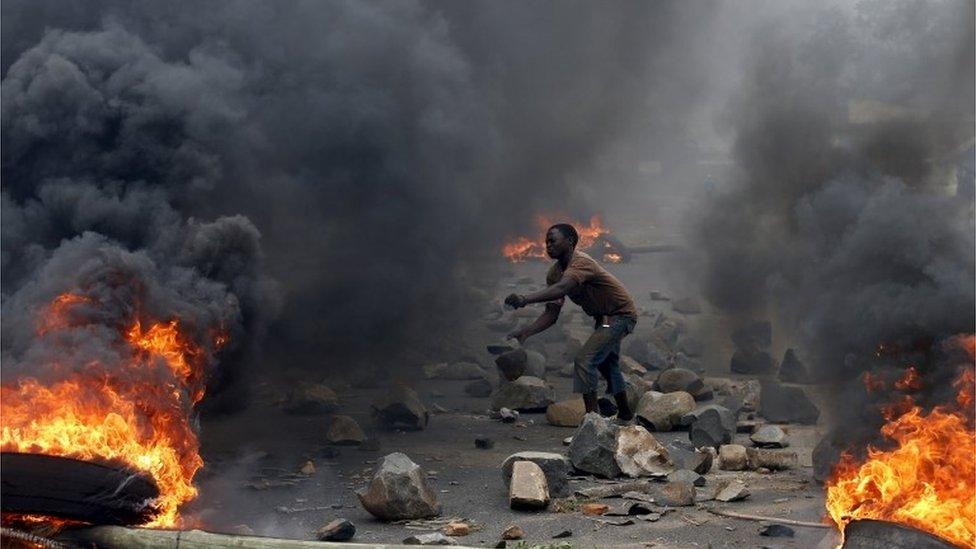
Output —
(686, 305)
(594, 509)
(773, 460)
(308, 468)
(731, 490)
(662, 413)
(776, 531)
(484, 443)
(563, 534)
(512, 364)
(594, 446)
(677, 494)
(686, 456)
(555, 467)
(606, 406)
(528, 488)
(433, 538)
(769, 436)
(505, 415)
(792, 370)
(311, 399)
(567, 441)
(713, 427)
(401, 408)
(343, 430)
(513, 532)
(733, 457)
(685, 475)
(748, 390)
(399, 491)
(457, 529)
(783, 404)
(337, 530)
(757, 333)
(479, 388)
(679, 379)
(527, 394)
(751, 360)
(567, 413)
(639, 454)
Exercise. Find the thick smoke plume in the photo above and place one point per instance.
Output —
(345, 163)
(850, 216)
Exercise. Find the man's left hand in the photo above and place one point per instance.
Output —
(516, 301)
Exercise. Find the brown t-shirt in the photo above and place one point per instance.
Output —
(598, 292)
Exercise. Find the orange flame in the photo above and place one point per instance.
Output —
(108, 414)
(926, 481)
(873, 382)
(523, 248)
(910, 381)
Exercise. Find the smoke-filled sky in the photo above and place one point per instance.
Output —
(335, 167)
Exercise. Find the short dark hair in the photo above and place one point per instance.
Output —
(567, 230)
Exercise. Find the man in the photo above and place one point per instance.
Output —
(601, 296)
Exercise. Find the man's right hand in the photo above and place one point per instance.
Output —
(515, 301)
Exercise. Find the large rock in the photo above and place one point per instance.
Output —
(769, 436)
(454, 370)
(685, 456)
(664, 412)
(567, 413)
(679, 379)
(792, 370)
(479, 388)
(311, 399)
(399, 491)
(556, 468)
(594, 447)
(783, 404)
(528, 488)
(629, 366)
(733, 457)
(512, 364)
(345, 431)
(713, 427)
(756, 333)
(640, 454)
(401, 408)
(338, 530)
(525, 394)
(748, 391)
(751, 360)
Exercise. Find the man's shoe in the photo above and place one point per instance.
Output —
(623, 421)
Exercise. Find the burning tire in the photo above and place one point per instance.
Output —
(876, 534)
(67, 488)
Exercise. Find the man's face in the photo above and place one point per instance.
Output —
(557, 244)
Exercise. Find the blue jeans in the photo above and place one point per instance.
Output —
(601, 353)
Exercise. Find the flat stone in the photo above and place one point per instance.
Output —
(678, 379)
(399, 491)
(676, 494)
(512, 364)
(792, 369)
(784, 404)
(731, 490)
(714, 427)
(337, 530)
(685, 475)
(479, 388)
(751, 360)
(528, 488)
(567, 413)
(770, 436)
(433, 538)
(686, 456)
(457, 529)
(771, 460)
(732, 457)
(311, 399)
(664, 412)
(556, 468)
(401, 408)
(526, 394)
(343, 430)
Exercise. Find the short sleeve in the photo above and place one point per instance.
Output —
(580, 269)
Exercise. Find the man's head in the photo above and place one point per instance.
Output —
(560, 239)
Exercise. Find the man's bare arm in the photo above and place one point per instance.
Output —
(544, 322)
(550, 293)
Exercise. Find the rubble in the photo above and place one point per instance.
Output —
(567, 413)
(640, 454)
(398, 490)
(513, 532)
(601, 448)
(401, 408)
(713, 427)
(748, 391)
(458, 529)
(337, 530)
(512, 364)
(479, 388)
(751, 360)
(676, 494)
(784, 404)
(685, 475)
(555, 467)
(527, 394)
(686, 456)
(343, 430)
(733, 457)
(433, 538)
(594, 509)
(528, 488)
(792, 370)
(678, 379)
(769, 436)
(505, 415)
(311, 399)
(731, 490)
(773, 460)
(664, 412)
